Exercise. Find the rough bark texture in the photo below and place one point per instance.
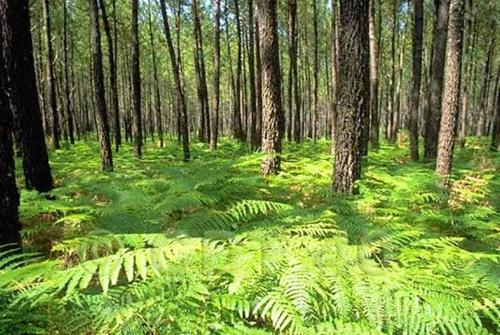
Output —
(314, 112)
(433, 112)
(418, 32)
(9, 196)
(215, 118)
(51, 76)
(237, 110)
(113, 76)
(271, 86)
(98, 80)
(136, 80)
(374, 116)
(181, 101)
(451, 94)
(353, 93)
(21, 80)
(258, 85)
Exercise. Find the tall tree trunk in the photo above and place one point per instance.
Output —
(418, 32)
(390, 118)
(485, 89)
(254, 135)
(181, 102)
(201, 75)
(258, 86)
(353, 93)
(374, 33)
(495, 133)
(314, 112)
(136, 80)
(113, 74)
(159, 117)
(271, 86)
(21, 81)
(293, 80)
(51, 76)
(433, 115)
(237, 111)
(67, 91)
(98, 79)
(451, 94)
(9, 195)
(216, 108)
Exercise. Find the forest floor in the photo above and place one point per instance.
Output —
(402, 218)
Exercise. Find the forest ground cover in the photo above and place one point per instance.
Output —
(211, 247)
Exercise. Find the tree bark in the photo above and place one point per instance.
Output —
(254, 135)
(9, 195)
(67, 91)
(98, 79)
(136, 80)
(237, 110)
(374, 33)
(181, 102)
(271, 86)
(495, 134)
(418, 32)
(451, 94)
(433, 111)
(216, 108)
(113, 75)
(314, 112)
(353, 93)
(159, 117)
(51, 76)
(21, 81)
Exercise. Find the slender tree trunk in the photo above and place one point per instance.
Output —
(271, 86)
(495, 133)
(314, 112)
(451, 94)
(51, 76)
(113, 74)
(418, 32)
(353, 93)
(216, 108)
(485, 89)
(392, 90)
(254, 135)
(237, 111)
(258, 86)
(159, 117)
(374, 50)
(136, 80)
(181, 102)
(98, 79)
(67, 91)
(21, 81)
(293, 80)
(433, 115)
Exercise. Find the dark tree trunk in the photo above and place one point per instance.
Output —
(9, 196)
(293, 80)
(353, 93)
(201, 76)
(67, 91)
(136, 80)
(485, 89)
(258, 85)
(159, 117)
(374, 33)
(51, 77)
(495, 134)
(392, 86)
(181, 103)
(271, 86)
(98, 79)
(216, 108)
(451, 94)
(113, 75)
(418, 32)
(21, 81)
(433, 111)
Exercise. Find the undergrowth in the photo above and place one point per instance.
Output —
(210, 247)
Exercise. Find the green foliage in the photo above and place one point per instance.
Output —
(209, 247)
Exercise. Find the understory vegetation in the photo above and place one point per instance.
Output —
(211, 247)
